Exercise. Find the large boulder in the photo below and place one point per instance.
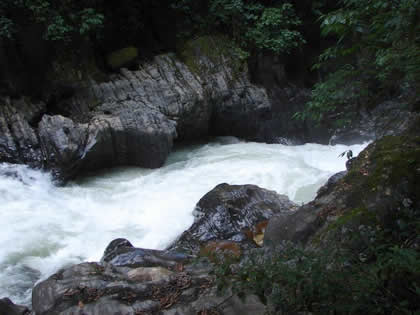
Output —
(232, 212)
(137, 136)
(109, 287)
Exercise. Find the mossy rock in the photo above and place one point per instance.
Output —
(381, 189)
(122, 57)
(220, 50)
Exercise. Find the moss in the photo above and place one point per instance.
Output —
(386, 165)
(359, 216)
(384, 174)
(121, 57)
(218, 49)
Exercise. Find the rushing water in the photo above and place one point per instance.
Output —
(44, 227)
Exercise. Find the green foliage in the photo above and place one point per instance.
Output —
(367, 261)
(60, 21)
(7, 29)
(379, 42)
(271, 31)
(383, 279)
(340, 90)
(252, 24)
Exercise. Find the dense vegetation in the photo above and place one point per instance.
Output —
(369, 51)
(365, 259)
(376, 55)
(372, 46)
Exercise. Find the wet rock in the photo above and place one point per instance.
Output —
(7, 307)
(121, 253)
(18, 139)
(228, 211)
(134, 117)
(331, 182)
(149, 274)
(107, 289)
(135, 137)
(87, 287)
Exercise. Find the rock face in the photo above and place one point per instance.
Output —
(18, 139)
(231, 212)
(381, 185)
(389, 118)
(135, 116)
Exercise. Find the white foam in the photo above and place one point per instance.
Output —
(44, 227)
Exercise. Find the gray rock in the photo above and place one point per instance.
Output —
(227, 304)
(18, 139)
(134, 137)
(134, 118)
(121, 253)
(389, 118)
(7, 307)
(303, 223)
(228, 211)
(104, 289)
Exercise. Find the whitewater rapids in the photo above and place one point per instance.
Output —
(44, 227)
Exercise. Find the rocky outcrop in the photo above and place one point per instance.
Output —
(389, 118)
(19, 142)
(380, 186)
(7, 307)
(140, 138)
(112, 287)
(134, 117)
(130, 280)
(232, 212)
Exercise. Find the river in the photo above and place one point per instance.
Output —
(44, 227)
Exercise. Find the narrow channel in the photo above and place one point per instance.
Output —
(45, 227)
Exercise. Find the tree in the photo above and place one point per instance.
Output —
(60, 21)
(377, 51)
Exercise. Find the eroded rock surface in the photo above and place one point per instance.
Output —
(231, 212)
(134, 117)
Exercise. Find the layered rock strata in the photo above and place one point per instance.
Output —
(134, 117)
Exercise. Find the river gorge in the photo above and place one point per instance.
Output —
(46, 227)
